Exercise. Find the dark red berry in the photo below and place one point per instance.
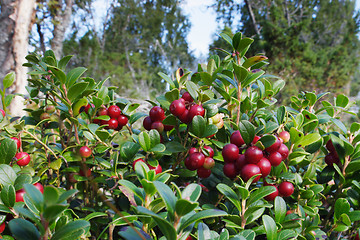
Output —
(253, 154)
(209, 150)
(177, 108)
(193, 150)
(284, 151)
(265, 167)
(157, 114)
(2, 227)
(187, 97)
(122, 120)
(331, 158)
(203, 172)
(240, 162)
(236, 139)
(230, 170)
(87, 174)
(168, 127)
(274, 147)
(272, 196)
(147, 123)
(196, 110)
(230, 153)
(275, 158)
(286, 189)
(250, 170)
(185, 117)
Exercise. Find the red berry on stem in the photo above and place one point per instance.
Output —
(137, 160)
(39, 187)
(177, 107)
(85, 152)
(158, 126)
(284, 151)
(272, 196)
(193, 150)
(196, 110)
(147, 123)
(196, 160)
(203, 172)
(19, 196)
(158, 168)
(230, 170)
(103, 111)
(236, 139)
(286, 189)
(157, 114)
(274, 147)
(250, 170)
(240, 162)
(122, 120)
(187, 97)
(17, 141)
(330, 146)
(285, 136)
(265, 167)
(253, 154)
(209, 163)
(114, 111)
(275, 158)
(209, 150)
(185, 117)
(113, 123)
(230, 153)
(23, 158)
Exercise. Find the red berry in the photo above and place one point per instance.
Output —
(177, 108)
(137, 160)
(275, 146)
(158, 126)
(114, 111)
(19, 196)
(285, 136)
(2, 112)
(357, 236)
(2, 227)
(85, 152)
(203, 172)
(265, 167)
(168, 127)
(147, 123)
(187, 97)
(286, 189)
(284, 151)
(87, 108)
(331, 158)
(209, 163)
(97, 121)
(88, 173)
(182, 100)
(209, 150)
(240, 162)
(103, 111)
(253, 154)
(39, 187)
(275, 158)
(17, 141)
(289, 212)
(230, 170)
(185, 117)
(272, 196)
(193, 150)
(196, 110)
(158, 168)
(189, 238)
(113, 123)
(50, 108)
(256, 138)
(250, 170)
(237, 139)
(196, 160)
(122, 120)
(230, 153)
(330, 146)
(157, 114)
(71, 177)
(23, 158)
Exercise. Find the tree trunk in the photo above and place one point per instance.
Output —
(17, 18)
(62, 21)
(252, 15)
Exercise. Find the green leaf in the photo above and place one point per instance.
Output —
(203, 232)
(76, 90)
(22, 229)
(341, 101)
(228, 79)
(198, 126)
(128, 150)
(236, 40)
(144, 141)
(59, 74)
(192, 89)
(167, 79)
(354, 215)
(339, 124)
(307, 140)
(184, 206)
(136, 116)
(72, 230)
(259, 194)
(172, 95)
(201, 215)
(247, 131)
(168, 197)
(280, 209)
(51, 195)
(280, 114)
(34, 196)
(341, 206)
(64, 196)
(95, 215)
(7, 150)
(244, 45)
(270, 227)
(166, 228)
(8, 196)
(154, 138)
(255, 74)
(7, 175)
(191, 192)
(227, 38)
(8, 80)
(52, 212)
(267, 140)
(74, 75)
(210, 130)
(174, 147)
(230, 195)
(286, 234)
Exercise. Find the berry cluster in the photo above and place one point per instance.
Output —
(284, 189)
(332, 157)
(252, 160)
(186, 109)
(158, 168)
(117, 120)
(154, 120)
(200, 160)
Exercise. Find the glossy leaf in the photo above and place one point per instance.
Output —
(270, 227)
(7, 150)
(22, 229)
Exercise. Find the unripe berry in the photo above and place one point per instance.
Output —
(285, 136)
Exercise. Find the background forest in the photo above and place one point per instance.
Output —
(313, 45)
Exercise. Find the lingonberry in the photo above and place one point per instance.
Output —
(185, 117)
(85, 152)
(196, 110)
(17, 141)
(256, 138)
(2, 112)
(331, 158)
(87, 108)
(286, 189)
(236, 139)
(230, 170)
(265, 167)
(2, 227)
(187, 97)
(147, 123)
(158, 126)
(284, 151)
(240, 162)
(230, 153)
(122, 120)
(23, 158)
(157, 114)
(274, 147)
(203, 172)
(209, 163)
(275, 158)
(137, 160)
(103, 111)
(285, 136)
(330, 146)
(114, 111)
(19, 196)
(113, 123)
(253, 154)
(177, 107)
(39, 187)
(272, 196)
(208, 151)
(250, 170)
(87, 174)
(158, 168)
(193, 150)
(197, 160)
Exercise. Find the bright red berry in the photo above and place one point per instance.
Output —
(122, 120)
(19, 196)
(158, 168)
(230, 153)
(284, 151)
(203, 172)
(23, 158)
(2, 112)
(236, 139)
(114, 111)
(187, 97)
(209, 150)
(17, 141)
(85, 152)
(196, 110)
(2, 227)
(272, 196)
(250, 170)
(157, 114)
(265, 167)
(196, 160)
(285, 136)
(256, 138)
(177, 108)
(193, 150)
(230, 170)
(286, 189)
(113, 123)
(39, 187)
(275, 158)
(253, 154)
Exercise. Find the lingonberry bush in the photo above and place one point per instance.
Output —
(215, 157)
